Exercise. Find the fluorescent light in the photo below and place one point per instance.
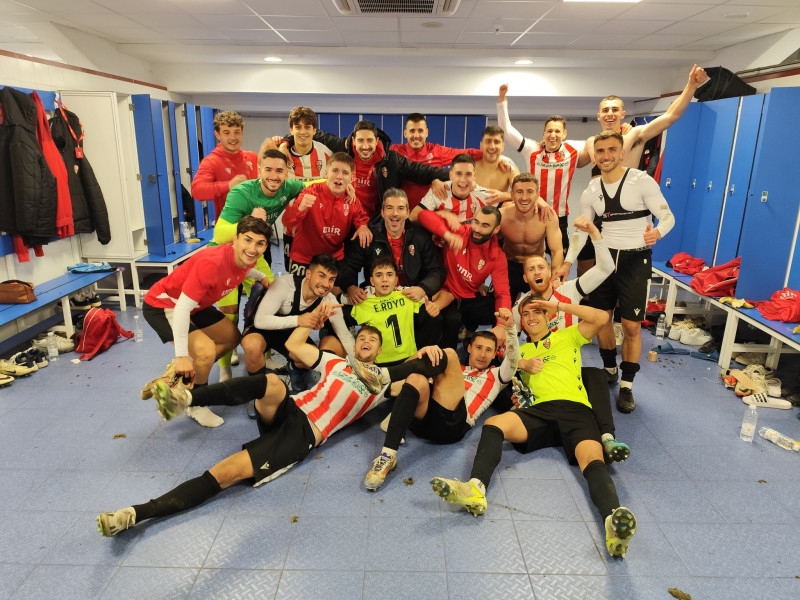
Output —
(607, 1)
(273, 59)
(523, 61)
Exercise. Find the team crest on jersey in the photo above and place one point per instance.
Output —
(228, 169)
(384, 172)
(249, 164)
(475, 206)
(319, 165)
(560, 156)
(378, 251)
(546, 343)
(481, 264)
(411, 249)
(346, 209)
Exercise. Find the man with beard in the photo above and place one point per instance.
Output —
(473, 256)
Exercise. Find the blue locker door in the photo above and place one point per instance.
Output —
(146, 153)
(709, 174)
(772, 201)
(455, 131)
(346, 123)
(744, 151)
(194, 157)
(435, 129)
(162, 171)
(209, 143)
(475, 127)
(394, 125)
(329, 123)
(176, 163)
(675, 181)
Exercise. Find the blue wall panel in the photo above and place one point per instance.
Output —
(475, 127)
(769, 226)
(328, 122)
(346, 123)
(394, 125)
(675, 180)
(375, 118)
(455, 131)
(741, 168)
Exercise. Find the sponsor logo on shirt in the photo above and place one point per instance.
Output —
(331, 231)
(464, 273)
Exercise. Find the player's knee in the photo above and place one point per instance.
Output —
(275, 385)
(204, 354)
(420, 382)
(631, 328)
(253, 346)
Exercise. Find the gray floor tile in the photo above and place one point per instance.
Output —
(320, 585)
(235, 584)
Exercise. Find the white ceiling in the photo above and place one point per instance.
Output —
(552, 33)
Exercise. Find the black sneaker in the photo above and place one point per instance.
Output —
(625, 402)
(38, 357)
(612, 377)
(80, 302)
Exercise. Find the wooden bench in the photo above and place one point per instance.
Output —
(176, 254)
(60, 288)
(780, 333)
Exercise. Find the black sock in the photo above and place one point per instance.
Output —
(402, 415)
(187, 495)
(628, 370)
(487, 457)
(261, 371)
(609, 356)
(423, 366)
(232, 392)
(601, 488)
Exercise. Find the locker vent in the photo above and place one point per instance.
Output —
(397, 7)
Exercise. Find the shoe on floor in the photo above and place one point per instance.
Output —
(204, 416)
(85, 301)
(625, 402)
(612, 377)
(275, 366)
(620, 527)
(63, 344)
(5, 379)
(110, 524)
(14, 369)
(463, 493)
(678, 327)
(25, 360)
(695, 337)
(39, 357)
(381, 467)
(761, 400)
(749, 358)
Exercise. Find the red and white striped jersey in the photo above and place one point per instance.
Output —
(554, 170)
(338, 399)
(481, 387)
(465, 209)
(312, 165)
(567, 293)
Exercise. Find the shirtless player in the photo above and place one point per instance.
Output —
(488, 172)
(525, 232)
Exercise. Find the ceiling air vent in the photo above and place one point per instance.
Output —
(397, 7)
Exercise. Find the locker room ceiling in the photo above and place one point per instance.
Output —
(160, 35)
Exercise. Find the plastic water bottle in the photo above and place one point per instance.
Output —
(52, 347)
(784, 441)
(138, 334)
(748, 430)
(661, 327)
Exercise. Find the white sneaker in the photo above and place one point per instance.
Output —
(204, 416)
(62, 343)
(234, 357)
(749, 358)
(273, 365)
(678, 327)
(695, 337)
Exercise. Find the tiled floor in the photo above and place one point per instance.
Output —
(717, 517)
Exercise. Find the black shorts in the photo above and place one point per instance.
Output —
(563, 223)
(516, 282)
(157, 319)
(297, 269)
(627, 284)
(557, 423)
(440, 425)
(587, 252)
(281, 444)
(275, 338)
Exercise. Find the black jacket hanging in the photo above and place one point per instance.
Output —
(89, 211)
(28, 195)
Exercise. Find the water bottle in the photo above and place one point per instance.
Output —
(138, 334)
(749, 424)
(784, 441)
(52, 347)
(661, 327)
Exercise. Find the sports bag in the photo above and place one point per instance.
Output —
(718, 281)
(100, 330)
(15, 291)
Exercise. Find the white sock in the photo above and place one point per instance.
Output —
(225, 374)
(204, 416)
(388, 452)
(626, 384)
(611, 370)
(478, 484)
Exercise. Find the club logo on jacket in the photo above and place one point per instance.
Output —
(429, 157)
(228, 169)
(546, 343)
(249, 164)
(481, 264)
(319, 165)
(411, 249)
(384, 172)
(346, 209)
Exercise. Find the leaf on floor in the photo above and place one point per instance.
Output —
(120, 435)
(676, 593)
(409, 481)
(294, 519)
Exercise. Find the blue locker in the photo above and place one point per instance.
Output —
(194, 157)
(772, 200)
(209, 143)
(176, 163)
(394, 125)
(346, 123)
(455, 131)
(749, 124)
(675, 180)
(329, 123)
(435, 129)
(375, 118)
(475, 126)
(146, 149)
(709, 174)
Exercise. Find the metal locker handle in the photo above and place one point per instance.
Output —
(151, 178)
(709, 185)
